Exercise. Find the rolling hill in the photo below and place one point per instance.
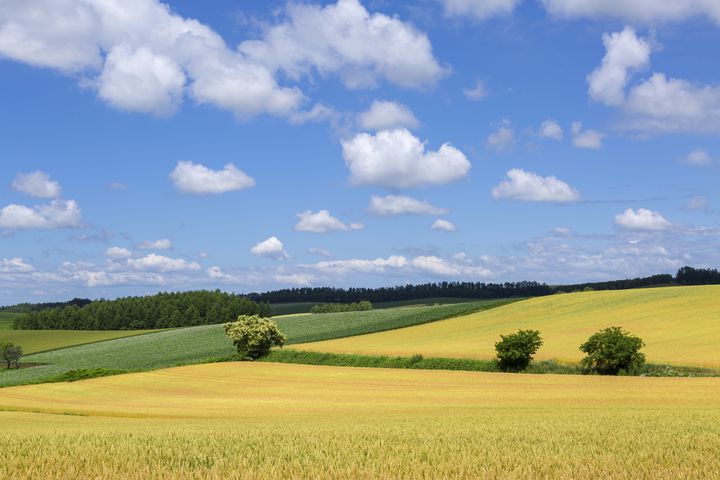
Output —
(680, 326)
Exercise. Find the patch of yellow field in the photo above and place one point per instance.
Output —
(262, 420)
(680, 326)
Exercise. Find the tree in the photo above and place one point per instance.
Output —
(11, 353)
(254, 336)
(515, 351)
(611, 350)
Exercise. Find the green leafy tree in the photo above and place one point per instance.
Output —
(515, 351)
(11, 353)
(254, 336)
(611, 351)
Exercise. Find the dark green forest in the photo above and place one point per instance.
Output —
(164, 310)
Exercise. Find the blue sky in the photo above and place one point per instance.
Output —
(246, 146)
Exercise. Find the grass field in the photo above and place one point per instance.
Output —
(304, 307)
(680, 326)
(263, 420)
(6, 320)
(33, 341)
(199, 344)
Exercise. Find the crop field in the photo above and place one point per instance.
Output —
(680, 326)
(264, 420)
(6, 320)
(198, 344)
(33, 341)
(304, 307)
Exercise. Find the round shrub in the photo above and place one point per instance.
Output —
(254, 336)
(515, 351)
(611, 351)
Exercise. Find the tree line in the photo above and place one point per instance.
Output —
(360, 306)
(36, 307)
(697, 276)
(164, 310)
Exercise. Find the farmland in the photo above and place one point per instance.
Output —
(680, 326)
(6, 320)
(197, 344)
(34, 341)
(244, 420)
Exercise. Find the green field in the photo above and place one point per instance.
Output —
(198, 344)
(680, 326)
(263, 420)
(6, 320)
(304, 307)
(34, 341)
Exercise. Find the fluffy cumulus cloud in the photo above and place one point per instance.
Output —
(160, 263)
(15, 265)
(479, 9)
(321, 222)
(530, 187)
(56, 214)
(36, 184)
(443, 225)
(400, 265)
(502, 139)
(117, 253)
(398, 159)
(270, 248)
(589, 139)
(657, 104)
(391, 205)
(642, 219)
(347, 40)
(550, 129)
(161, 244)
(698, 158)
(386, 115)
(198, 179)
(636, 11)
(141, 56)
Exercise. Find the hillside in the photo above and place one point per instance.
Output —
(680, 325)
(203, 343)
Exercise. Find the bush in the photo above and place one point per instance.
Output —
(11, 353)
(342, 307)
(612, 351)
(254, 336)
(515, 351)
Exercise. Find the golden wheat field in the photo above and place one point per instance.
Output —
(264, 420)
(680, 326)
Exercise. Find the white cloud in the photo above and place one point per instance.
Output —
(117, 186)
(386, 115)
(550, 129)
(398, 159)
(160, 263)
(477, 92)
(698, 158)
(198, 179)
(657, 104)
(57, 214)
(625, 53)
(118, 253)
(270, 248)
(591, 139)
(139, 55)
(320, 251)
(530, 187)
(502, 139)
(162, 244)
(398, 264)
(295, 278)
(642, 219)
(479, 9)
(635, 11)
(15, 265)
(36, 184)
(390, 205)
(139, 80)
(318, 222)
(443, 225)
(345, 39)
